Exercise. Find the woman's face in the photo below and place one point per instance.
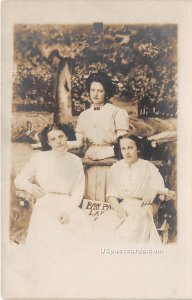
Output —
(129, 150)
(97, 93)
(57, 140)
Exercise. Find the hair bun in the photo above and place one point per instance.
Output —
(105, 80)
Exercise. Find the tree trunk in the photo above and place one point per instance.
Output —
(63, 111)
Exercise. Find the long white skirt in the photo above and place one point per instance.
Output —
(51, 248)
(45, 226)
(138, 227)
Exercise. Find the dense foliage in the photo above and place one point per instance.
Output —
(141, 60)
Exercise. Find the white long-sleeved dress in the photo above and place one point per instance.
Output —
(51, 248)
(61, 176)
(130, 184)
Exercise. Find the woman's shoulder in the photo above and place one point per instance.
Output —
(112, 107)
(148, 164)
(83, 119)
(43, 155)
(118, 164)
(144, 162)
(40, 155)
(115, 109)
(141, 164)
(74, 158)
(85, 112)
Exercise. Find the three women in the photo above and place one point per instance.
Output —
(60, 177)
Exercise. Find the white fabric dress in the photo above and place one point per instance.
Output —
(61, 176)
(51, 249)
(99, 129)
(130, 184)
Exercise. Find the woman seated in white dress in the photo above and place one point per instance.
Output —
(59, 188)
(133, 184)
(99, 127)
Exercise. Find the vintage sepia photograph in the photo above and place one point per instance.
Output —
(93, 155)
(102, 86)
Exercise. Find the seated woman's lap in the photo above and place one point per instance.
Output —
(135, 226)
(45, 221)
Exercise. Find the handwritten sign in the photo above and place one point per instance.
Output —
(95, 208)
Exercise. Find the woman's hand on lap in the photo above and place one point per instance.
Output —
(149, 196)
(121, 213)
(64, 218)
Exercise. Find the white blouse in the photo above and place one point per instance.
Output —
(132, 182)
(99, 127)
(55, 173)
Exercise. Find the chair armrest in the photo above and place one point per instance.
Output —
(25, 199)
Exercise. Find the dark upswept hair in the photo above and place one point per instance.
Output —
(105, 80)
(67, 130)
(134, 138)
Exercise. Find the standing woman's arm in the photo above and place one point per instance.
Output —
(78, 143)
(80, 134)
(121, 122)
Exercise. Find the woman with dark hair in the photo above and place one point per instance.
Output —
(58, 189)
(133, 184)
(99, 127)
(68, 131)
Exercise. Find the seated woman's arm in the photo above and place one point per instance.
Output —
(22, 180)
(155, 185)
(117, 207)
(112, 194)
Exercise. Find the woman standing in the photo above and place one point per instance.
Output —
(133, 184)
(99, 127)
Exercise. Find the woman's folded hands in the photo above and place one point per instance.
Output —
(100, 154)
